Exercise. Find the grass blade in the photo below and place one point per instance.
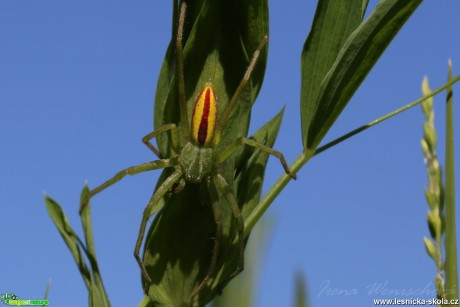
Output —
(97, 293)
(70, 237)
(92, 279)
(47, 290)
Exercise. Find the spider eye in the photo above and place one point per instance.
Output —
(204, 116)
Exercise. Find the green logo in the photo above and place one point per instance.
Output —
(12, 300)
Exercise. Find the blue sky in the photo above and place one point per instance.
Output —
(77, 81)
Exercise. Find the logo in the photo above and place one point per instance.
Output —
(10, 299)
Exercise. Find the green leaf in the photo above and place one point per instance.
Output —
(97, 293)
(451, 266)
(178, 247)
(241, 291)
(70, 237)
(97, 296)
(356, 58)
(333, 23)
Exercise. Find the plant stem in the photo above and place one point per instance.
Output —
(385, 117)
(303, 158)
(279, 185)
(451, 268)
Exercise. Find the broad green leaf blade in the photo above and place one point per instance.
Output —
(333, 23)
(451, 266)
(179, 243)
(241, 291)
(220, 56)
(357, 57)
(70, 237)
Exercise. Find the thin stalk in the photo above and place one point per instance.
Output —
(451, 268)
(305, 156)
(47, 290)
(279, 185)
(385, 117)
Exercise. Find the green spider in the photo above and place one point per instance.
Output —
(198, 158)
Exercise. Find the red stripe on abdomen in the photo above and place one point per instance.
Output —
(203, 130)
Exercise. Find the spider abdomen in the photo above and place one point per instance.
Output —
(204, 116)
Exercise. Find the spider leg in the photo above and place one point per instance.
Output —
(225, 154)
(174, 138)
(151, 208)
(222, 185)
(180, 72)
(144, 167)
(239, 90)
(212, 266)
